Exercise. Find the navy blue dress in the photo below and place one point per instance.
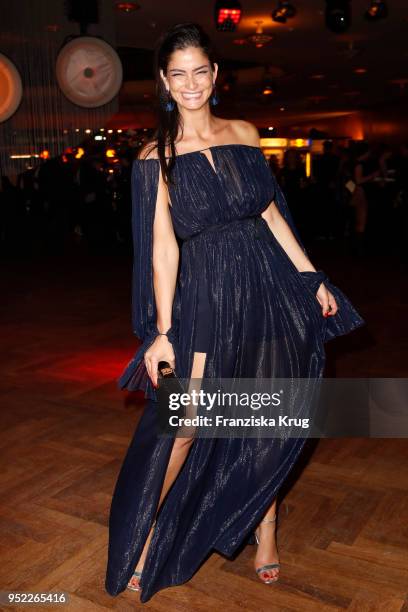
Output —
(241, 299)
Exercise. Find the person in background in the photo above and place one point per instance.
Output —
(325, 171)
(292, 178)
(366, 170)
(345, 185)
(274, 165)
(13, 217)
(387, 194)
(122, 200)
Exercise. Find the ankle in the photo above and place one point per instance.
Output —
(268, 521)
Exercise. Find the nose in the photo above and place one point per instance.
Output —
(191, 82)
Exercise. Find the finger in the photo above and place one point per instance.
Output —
(154, 370)
(325, 306)
(331, 306)
(148, 366)
(334, 308)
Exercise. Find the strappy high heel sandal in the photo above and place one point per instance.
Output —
(267, 566)
(135, 587)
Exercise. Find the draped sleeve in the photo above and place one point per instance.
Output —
(144, 187)
(347, 318)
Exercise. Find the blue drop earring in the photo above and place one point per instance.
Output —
(169, 106)
(214, 98)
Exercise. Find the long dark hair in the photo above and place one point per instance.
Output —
(179, 36)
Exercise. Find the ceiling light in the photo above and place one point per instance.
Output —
(227, 15)
(284, 11)
(259, 39)
(127, 7)
(338, 15)
(377, 10)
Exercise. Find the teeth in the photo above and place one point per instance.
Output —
(192, 96)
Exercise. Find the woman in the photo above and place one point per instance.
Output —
(246, 303)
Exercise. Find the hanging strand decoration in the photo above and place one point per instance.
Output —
(32, 34)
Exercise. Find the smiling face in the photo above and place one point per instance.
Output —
(190, 78)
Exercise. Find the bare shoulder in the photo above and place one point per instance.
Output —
(246, 132)
(148, 151)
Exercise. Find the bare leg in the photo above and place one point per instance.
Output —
(267, 551)
(178, 455)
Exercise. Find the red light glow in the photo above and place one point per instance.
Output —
(233, 14)
(126, 7)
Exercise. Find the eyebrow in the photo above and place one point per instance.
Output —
(181, 70)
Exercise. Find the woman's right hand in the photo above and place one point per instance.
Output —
(160, 350)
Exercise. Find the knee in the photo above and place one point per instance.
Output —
(183, 443)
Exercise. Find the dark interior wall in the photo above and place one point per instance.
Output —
(387, 123)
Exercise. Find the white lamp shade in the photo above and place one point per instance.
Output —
(89, 71)
(11, 89)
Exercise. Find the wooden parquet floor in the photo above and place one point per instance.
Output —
(66, 336)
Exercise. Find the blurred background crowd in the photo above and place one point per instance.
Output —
(355, 195)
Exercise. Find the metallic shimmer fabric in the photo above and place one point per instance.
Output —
(265, 322)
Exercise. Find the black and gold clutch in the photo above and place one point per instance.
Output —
(168, 385)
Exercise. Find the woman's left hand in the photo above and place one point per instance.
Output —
(327, 301)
